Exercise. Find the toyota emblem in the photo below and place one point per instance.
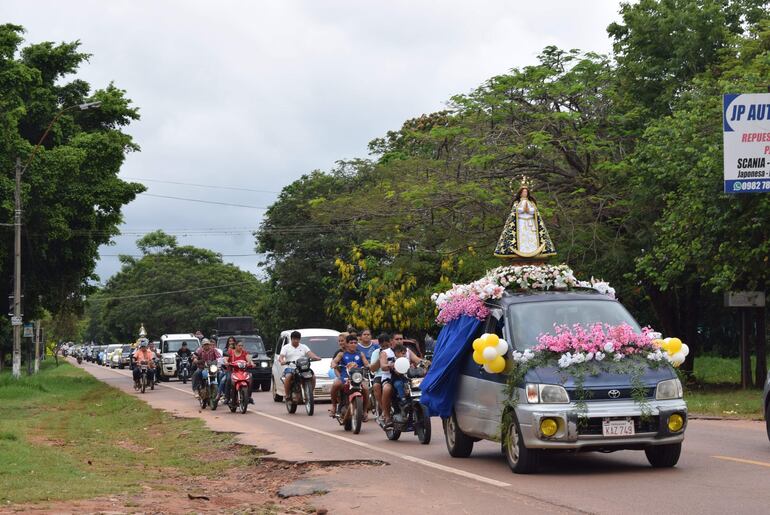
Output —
(613, 394)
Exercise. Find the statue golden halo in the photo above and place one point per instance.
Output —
(525, 182)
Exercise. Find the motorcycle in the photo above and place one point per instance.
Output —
(79, 358)
(373, 404)
(407, 413)
(144, 381)
(350, 406)
(301, 387)
(184, 369)
(239, 391)
(207, 390)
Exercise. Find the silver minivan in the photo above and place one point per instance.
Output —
(605, 417)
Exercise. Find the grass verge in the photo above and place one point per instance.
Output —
(716, 391)
(65, 435)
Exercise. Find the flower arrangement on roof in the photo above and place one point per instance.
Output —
(469, 299)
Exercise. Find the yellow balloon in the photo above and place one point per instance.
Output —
(497, 365)
(659, 343)
(478, 357)
(490, 340)
(478, 344)
(674, 345)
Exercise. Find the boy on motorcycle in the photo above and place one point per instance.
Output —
(143, 355)
(392, 382)
(352, 357)
(374, 367)
(290, 353)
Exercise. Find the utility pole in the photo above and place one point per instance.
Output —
(16, 321)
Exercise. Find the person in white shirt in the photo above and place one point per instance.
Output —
(291, 353)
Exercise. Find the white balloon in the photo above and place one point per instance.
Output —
(502, 347)
(685, 349)
(402, 365)
(667, 340)
(487, 369)
(677, 359)
(489, 353)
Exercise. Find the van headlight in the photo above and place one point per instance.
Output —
(169, 360)
(546, 394)
(263, 364)
(669, 389)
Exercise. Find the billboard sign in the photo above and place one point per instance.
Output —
(746, 136)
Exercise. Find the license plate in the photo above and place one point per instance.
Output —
(326, 388)
(623, 427)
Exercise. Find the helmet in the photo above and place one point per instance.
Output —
(143, 342)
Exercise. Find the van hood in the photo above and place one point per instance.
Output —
(556, 375)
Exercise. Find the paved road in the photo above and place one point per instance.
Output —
(724, 468)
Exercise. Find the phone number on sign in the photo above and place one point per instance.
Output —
(751, 185)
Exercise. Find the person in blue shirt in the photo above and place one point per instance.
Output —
(352, 358)
(365, 345)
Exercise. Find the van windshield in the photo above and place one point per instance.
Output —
(528, 320)
(175, 345)
(252, 344)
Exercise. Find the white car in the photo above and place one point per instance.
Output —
(113, 355)
(323, 342)
(169, 345)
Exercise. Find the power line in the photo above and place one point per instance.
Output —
(202, 185)
(203, 201)
(142, 255)
(240, 283)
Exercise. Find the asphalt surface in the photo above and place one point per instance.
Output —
(724, 467)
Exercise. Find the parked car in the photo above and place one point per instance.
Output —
(168, 346)
(549, 396)
(124, 359)
(324, 343)
(260, 374)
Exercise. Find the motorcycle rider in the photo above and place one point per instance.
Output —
(293, 352)
(143, 355)
(233, 357)
(204, 354)
(393, 382)
(184, 351)
(352, 357)
(374, 366)
(365, 345)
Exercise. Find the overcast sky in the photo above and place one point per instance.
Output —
(254, 94)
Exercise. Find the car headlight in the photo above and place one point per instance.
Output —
(264, 364)
(669, 389)
(356, 377)
(546, 394)
(213, 369)
(416, 382)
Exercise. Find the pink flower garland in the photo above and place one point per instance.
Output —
(598, 338)
(470, 305)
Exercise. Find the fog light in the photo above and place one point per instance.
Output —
(548, 427)
(675, 423)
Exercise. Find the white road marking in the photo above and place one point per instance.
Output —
(405, 457)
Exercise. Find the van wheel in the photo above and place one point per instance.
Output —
(276, 397)
(458, 443)
(520, 459)
(663, 456)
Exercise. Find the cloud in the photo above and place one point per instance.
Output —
(255, 94)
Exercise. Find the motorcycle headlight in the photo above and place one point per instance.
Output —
(213, 369)
(356, 377)
(669, 389)
(416, 382)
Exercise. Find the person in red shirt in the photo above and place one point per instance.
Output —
(233, 357)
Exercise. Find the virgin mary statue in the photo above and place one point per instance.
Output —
(524, 235)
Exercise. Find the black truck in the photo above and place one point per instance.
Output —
(242, 328)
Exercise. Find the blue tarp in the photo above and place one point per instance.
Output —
(439, 387)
